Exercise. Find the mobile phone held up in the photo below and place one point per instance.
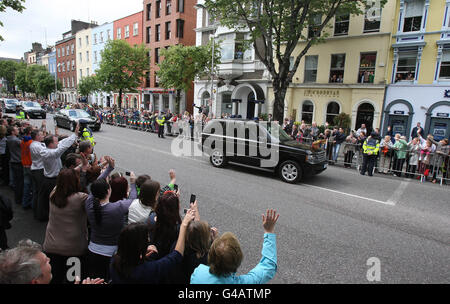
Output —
(127, 173)
(193, 198)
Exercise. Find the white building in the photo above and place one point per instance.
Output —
(241, 84)
(84, 55)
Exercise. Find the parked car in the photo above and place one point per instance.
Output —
(9, 105)
(252, 144)
(33, 109)
(69, 118)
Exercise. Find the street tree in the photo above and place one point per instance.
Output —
(44, 83)
(123, 67)
(8, 69)
(182, 64)
(278, 26)
(88, 85)
(16, 5)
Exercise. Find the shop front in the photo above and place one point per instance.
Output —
(425, 104)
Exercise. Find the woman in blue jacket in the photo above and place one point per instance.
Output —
(225, 257)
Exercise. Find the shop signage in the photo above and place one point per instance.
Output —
(442, 114)
(447, 94)
(321, 92)
(399, 112)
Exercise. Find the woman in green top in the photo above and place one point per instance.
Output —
(401, 149)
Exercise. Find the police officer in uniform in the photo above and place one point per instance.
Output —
(20, 114)
(371, 147)
(86, 133)
(161, 120)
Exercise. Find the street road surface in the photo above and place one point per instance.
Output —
(329, 226)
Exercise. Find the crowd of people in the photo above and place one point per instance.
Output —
(121, 229)
(422, 157)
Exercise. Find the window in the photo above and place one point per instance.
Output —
(59, 52)
(406, 67)
(180, 28)
(59, 68)
(147, 79)
(156, 55)
(109, 34)
(101, 37)
(444, 73)
(127, 31)
(87, 71)
(156, 81)
(367, 67)
(180, 6)
(119, 33)
(238, 46)
(158, 9)
(333, 110)
(95, 56)
(168, 7)
(158, 32)
(341, 24)
(81, 73)
(79, 41)
(307, 112)
(64, 82)
(80, 56)
(63, 67)
(168, 32)
(87, 40)
(73, 48)
(311, 68)
(413, 15)
(68, 66)
(73, 65)
(95, 38)
(313, 28)
(135, 29)
(87, 56)
(148, 34)
(149, 11)
(337, 68)
(73, 82)
(372, 18)
(63, 52)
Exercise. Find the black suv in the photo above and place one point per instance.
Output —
(257, 145)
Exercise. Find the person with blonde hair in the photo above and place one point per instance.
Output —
(225, 257)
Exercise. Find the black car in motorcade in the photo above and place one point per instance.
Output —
(68, 118)
(33, 109)
(262, 146)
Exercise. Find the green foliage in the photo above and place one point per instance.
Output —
(8, 69)
(277, 26)
(343, 120)
(88, 85)
(16, 5)
(182, 64)
(35, 79)
(123, 67)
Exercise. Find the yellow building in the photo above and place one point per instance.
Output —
(419, 69)
(346, 74)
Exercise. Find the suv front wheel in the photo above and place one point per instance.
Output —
(290, 172)
(217, 159)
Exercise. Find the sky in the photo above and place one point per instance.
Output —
(44, 21)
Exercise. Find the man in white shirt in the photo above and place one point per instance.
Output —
(37, 167)
(51, 159)
(362, 129)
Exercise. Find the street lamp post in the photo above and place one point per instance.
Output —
(212, 76)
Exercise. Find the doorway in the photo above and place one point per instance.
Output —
(365, 116)
(251, 105)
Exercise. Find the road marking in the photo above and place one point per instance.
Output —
(398, 193)
(389, 203)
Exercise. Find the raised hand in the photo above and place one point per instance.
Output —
(269, 220)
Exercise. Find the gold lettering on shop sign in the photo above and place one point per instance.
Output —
(321, 93)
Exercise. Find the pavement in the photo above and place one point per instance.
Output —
(329, 226)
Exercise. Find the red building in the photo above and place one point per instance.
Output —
(66, 66)
(166, 23)
(130, 29)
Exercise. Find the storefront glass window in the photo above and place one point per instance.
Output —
(367, 67)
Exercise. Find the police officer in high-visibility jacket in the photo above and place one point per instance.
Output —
(371, 147)
(86, 133)
(161, 120)
(20, 114)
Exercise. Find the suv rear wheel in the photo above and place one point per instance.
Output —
(217, 159)
(290, 172)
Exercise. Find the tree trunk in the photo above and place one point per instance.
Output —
(119, 101)
(280, 90)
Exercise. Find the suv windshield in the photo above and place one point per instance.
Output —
(282, 134)
(80, 114)
(32, 104)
